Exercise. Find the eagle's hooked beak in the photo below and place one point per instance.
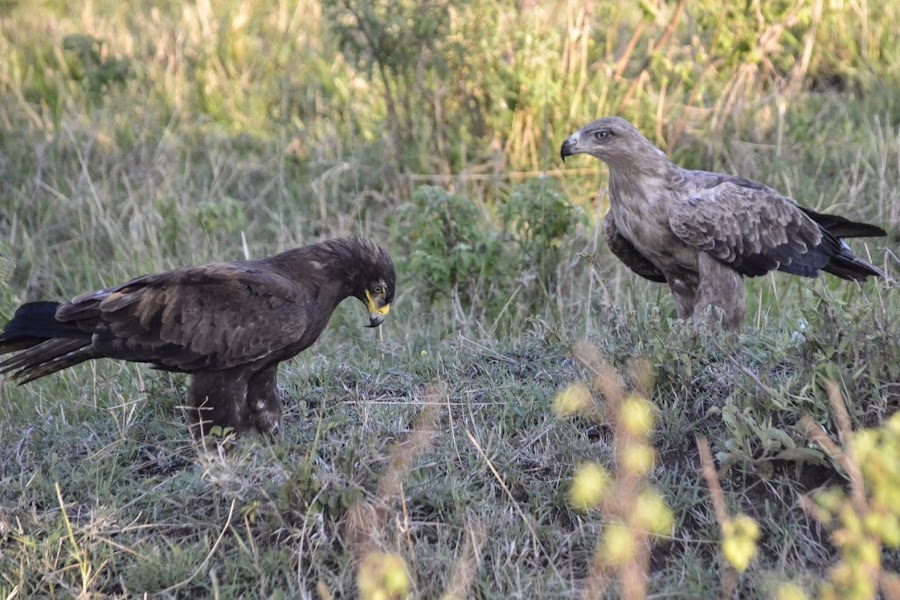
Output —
(569, 147)
(376, 313)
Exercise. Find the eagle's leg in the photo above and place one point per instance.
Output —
(264, 401)
(721, 295)
(685, 296)
(217, 398)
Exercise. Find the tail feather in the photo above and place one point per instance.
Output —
(843, 228)
(843, 263)
(43, 344)
(19, 343)
(847, 265)
(47, 357)
(44, 351)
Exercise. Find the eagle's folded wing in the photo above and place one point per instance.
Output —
(213, 317)
(748, 226)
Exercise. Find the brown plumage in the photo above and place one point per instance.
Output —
(702, 232)
(227, 324)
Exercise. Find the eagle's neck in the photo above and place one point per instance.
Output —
(638, 201)
(334, 269)
(629, 184)
(647, 161)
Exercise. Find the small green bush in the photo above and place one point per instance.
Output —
(453, 245)
(460, 250)
(226, 214)
(540, 218)
(87, 64)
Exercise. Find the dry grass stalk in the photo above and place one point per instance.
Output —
(708, 469)
(367, 523)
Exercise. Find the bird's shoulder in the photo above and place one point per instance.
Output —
(216, 286)
(720, 187)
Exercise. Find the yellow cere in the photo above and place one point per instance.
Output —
(373, 308)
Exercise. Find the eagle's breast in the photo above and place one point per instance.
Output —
(640, 214)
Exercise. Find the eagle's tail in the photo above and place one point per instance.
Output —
(847, 265)
(45, 345)
(840, 227)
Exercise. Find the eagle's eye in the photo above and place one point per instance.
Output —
(378, 289)
(603, 134)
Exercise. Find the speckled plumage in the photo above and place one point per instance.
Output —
(702, 232)
(227, 324)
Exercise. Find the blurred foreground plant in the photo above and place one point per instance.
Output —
(382, 576)
(739, 533)
(635, 510)
(868, 518)
(376, 526)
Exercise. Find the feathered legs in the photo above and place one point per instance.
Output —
(685, 297)
(229, 399)
(264, 401)
(218, 398)
(720, 295)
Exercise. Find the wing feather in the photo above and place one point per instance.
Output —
(213, 317)
(749, 226)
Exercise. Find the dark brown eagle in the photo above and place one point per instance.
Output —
(227, 324)
(702, 232)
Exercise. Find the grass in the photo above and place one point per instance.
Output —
(171, 133)
(148, 510)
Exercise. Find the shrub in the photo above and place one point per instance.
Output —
(454, 248)
(458, 250)
(540, 218)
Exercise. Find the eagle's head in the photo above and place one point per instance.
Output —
(613, 140)
(362, 269)
(377, 280)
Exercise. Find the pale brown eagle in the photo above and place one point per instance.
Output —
(701, 232)
(227, 324)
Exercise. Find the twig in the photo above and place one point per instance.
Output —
(212, 551)
(708, 469)
(766, 389)
(80, 554)
(535, 540)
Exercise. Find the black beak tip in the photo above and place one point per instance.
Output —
(566, 149)
(375, 322)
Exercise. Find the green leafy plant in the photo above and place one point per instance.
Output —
(539, 217)
(457, 250)
(454, 248)
(89, 64)
(223, 215)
